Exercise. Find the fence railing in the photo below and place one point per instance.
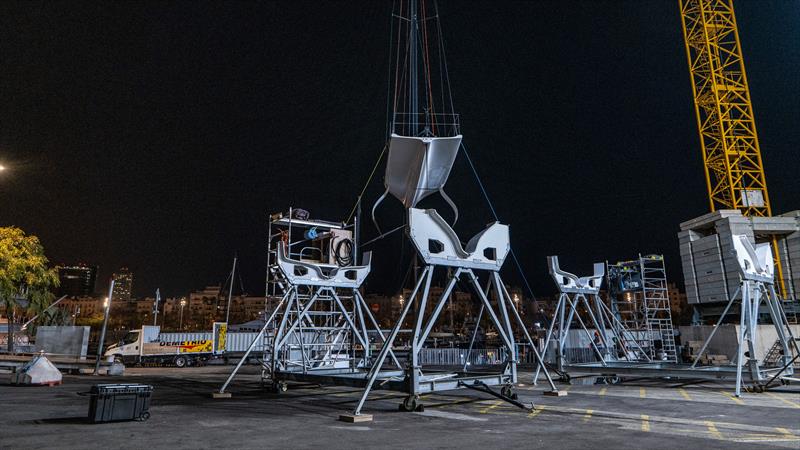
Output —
(488, 356)
(459, 356)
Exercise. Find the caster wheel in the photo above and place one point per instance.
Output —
(145, 415)
(507, 391)
(758, 388)
(283, 387)
(409, 404)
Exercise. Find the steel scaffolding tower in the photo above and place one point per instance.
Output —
(640, 299)
(321, 325)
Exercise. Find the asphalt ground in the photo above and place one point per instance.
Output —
(636, 414)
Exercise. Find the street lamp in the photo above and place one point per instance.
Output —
(2, 167)
(183, 303)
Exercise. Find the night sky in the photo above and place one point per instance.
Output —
(159, 135)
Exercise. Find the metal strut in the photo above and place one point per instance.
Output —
(480, 386)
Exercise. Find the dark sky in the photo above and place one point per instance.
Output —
(158, 135)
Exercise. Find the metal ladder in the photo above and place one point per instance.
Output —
(790, 309)
(655, 305)
(772, 358)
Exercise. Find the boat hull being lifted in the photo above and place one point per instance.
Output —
(418, 167)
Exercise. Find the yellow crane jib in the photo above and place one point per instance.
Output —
(731, 153)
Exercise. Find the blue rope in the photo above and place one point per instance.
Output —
(494, 213)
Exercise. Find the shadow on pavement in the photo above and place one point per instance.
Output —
(64, 420)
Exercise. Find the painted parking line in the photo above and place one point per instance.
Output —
(494, 405)
(767, 437)
(588, 415)
(443, 401)
(645, 423)
(737, 400)
(724, 431)
(642, 393)
(603, 391)
(788, 402)
(684, 394)
(712, 429)
(536, 411)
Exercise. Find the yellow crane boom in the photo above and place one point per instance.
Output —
(731, 153)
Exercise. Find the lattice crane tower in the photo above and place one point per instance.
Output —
(731, 153)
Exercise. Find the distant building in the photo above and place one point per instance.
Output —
(172, 305)
(206, 301)
(211, 303)
(245, 307)
(83, 306)
(123, 282)
(145, 305)
(76, 280)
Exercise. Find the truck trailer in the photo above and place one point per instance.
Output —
(149, 345)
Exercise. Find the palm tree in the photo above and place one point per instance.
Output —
(25, 278)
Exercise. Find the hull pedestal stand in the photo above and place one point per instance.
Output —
(756, 287)
(577, 291)
(756, 269)
(319, 331)
(439, 247)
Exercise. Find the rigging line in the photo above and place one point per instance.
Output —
(446, 73)
(221, 288)
(494, 213)
(403, 93)
(374, 168)
(441, 73)
(241, 284)
(411, 96)
(431, 106)
(389, 120)
(382, 235)
(397, 66)
(400, 262)
(400, 85)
